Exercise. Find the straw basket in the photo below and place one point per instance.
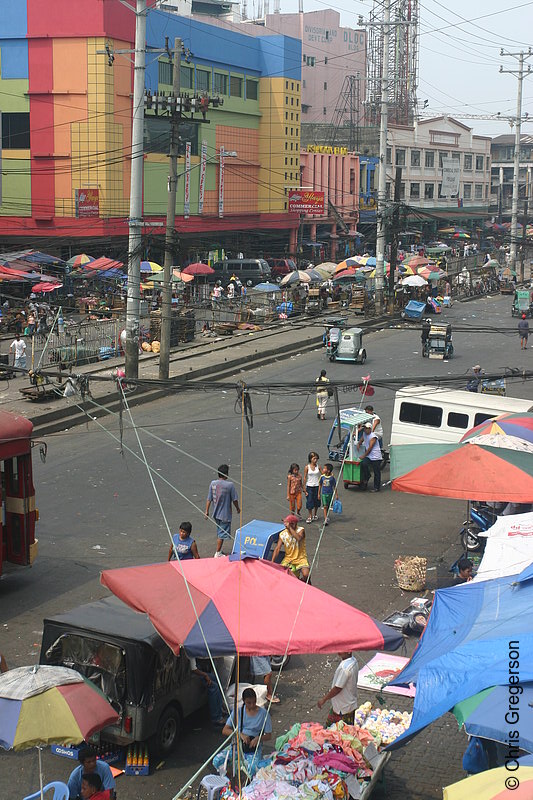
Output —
(411, 573)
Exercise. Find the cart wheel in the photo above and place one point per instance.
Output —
(332, 358)
(363, 357)
(346, 485)
(424, 353)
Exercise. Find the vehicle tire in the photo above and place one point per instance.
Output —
(470, 537)
(168, 731)
(363, 357)
(385, 459)
(277, 662)
(279, 278)
(346, 485)
(332, 358)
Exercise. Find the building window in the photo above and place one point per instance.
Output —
(235, 86)
(15, 131)
(442, 155)
(303, 84)
(402, 191)
(165, 73)
(286, 160)
(287, 85)
(304, 109)
(291, 162)
(296, 117)
(457, 157)
(387, 191)
(325, 59)
(479, 163)
(415, 191)
(478, 191)
(286, 116)
(441, 196)
(292, 116)
(400, 157)
(292, 86)
(220, 83)
(286, 131)
(430, 159)
(389, 155)
(292, 131)
(292, 101)
(325, 85)
(202, 80)
(186, 78)
(415, 159)
(467, 191)
(324, 111)
(286, 100)
(252, 89)
(467, 164)
(429, 191)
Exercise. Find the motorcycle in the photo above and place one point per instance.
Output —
(481, 519)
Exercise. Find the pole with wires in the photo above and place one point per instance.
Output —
(382, 184)
(136, 187)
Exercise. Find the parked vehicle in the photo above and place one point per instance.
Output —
(522, 303)
(429, 414)
(279, 267)
(247, 270)
(350, 347)
(120, 651)
(481, 518)
(439, 342)
(414, 310)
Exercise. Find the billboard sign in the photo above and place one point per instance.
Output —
(451, 174)
(306, 202)
(187, 202)
(87, 203)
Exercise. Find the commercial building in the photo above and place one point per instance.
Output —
(66, 104)
(420, 149)
(502, 150)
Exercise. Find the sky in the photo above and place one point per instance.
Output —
(460, 61)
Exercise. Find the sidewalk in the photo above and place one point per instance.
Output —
(220, 357)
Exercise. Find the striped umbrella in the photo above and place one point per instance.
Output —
(296, 276)
(150, 266)
(354, 261)
(79, 260)
(519, 426)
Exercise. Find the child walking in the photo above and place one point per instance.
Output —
(326, 490)
(294, 489)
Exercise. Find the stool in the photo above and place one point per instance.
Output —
(213, 784)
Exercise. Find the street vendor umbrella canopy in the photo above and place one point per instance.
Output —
(468, 645)
(490, 468)
(484, 715)
(229, 599)
(296, 276)
(266, 287)
(324, 272)
(150, 266)
(79, 260)
(315, 275)
(417, 261)
(413, 280)
(45, 287)
(491, 264)
(327, 267)
(491, 785)
(198, 269)
(354, 261)
(519, 426)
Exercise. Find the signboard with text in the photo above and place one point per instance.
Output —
(451, 174)
(306, 202)
(87, 203)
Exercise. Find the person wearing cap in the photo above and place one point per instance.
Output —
(343, 692)
(523, 332)
(293, 541)
(475, 380)
(371, 460)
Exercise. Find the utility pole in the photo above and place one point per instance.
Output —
(136, 186)
(520, 74)
(382, 182)
(166, 306)
(523, 244)
(395, 232)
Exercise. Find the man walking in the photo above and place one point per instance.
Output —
(343, 692)
(18, 346)
(523, 332)
(222, 494)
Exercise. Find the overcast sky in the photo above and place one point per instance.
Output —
(459, 61)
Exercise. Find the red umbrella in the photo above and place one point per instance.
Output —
(198, 269)
(229, 596)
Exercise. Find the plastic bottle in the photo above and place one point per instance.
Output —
(60, 324)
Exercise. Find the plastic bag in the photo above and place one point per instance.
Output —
(336, 506)
(475, 758)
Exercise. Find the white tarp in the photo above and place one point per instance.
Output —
(509, 547)
(451, 174)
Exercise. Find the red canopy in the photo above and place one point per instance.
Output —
(46, 287)
(102, 264)
(198, 269)
(245, 605)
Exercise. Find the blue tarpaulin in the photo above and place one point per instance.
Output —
(468, 645)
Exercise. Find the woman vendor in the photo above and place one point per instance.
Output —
(255, 727)
(293, 540)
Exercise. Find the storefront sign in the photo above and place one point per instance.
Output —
(367, 203)
(187, 198)
(304, 202)
(201, 188)
(327, 149)
(87, 202)
(451, 173)
(221, 183)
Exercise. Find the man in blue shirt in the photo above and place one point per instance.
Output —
(222, 494)
(89, 764)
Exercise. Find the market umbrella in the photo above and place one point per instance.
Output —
(487, 467)
(150, 266)
(418, 261)
(266, 287)
(198, 269)
(354, 261)
(79, 260)
(324, 272)
(176, 277)
(296, 276)
(413, 280)
(491, 785)
(508, 273)
(45, 287)
(327, 266)
(484, 715)
(42, 705)
(405, 270)
(517, 425)
(315, 275)
(229, 596)
(461, 235)
(491, 264)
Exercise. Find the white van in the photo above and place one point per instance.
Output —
(428, 414)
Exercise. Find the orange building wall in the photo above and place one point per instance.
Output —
(241, 174)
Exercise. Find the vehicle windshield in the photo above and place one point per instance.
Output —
(102, 663)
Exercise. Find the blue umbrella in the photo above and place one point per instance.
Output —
(267, 287)
(370, 262)
(484, 714)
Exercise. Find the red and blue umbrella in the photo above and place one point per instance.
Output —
(80, 260)
(229, 600)
(519, 426)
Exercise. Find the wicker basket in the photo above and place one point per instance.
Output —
(411, 573)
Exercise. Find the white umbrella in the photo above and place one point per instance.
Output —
(414, 280)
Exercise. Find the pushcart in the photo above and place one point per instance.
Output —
(343, 446)
(414, 310)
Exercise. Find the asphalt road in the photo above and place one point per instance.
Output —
(98, 511)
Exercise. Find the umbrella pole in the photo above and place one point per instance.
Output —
(40, 772)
